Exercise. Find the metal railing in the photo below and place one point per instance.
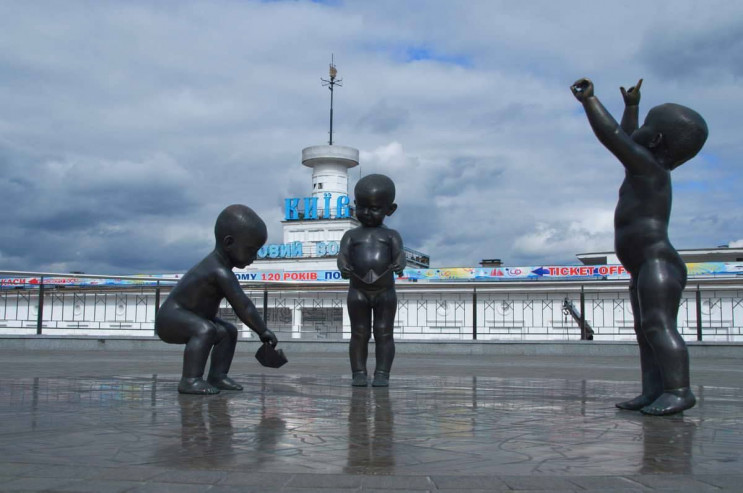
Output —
(710, 310)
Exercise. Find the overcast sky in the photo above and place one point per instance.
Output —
(126, 127)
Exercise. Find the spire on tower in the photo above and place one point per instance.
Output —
(331, 84)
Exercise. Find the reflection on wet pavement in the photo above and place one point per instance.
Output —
(418, 426)
(371, 432)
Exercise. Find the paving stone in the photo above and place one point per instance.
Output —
(62, 472)
(551, 490)
(156, 487)
(37, 484)
(492, 483)
(129, 473)
(603, 482)
(324, 481)
(499, 489)
(530, 483)
(241, 489)
(392, 490)
(725, 481)
(13, 469)
(319, 490)
(675, 482)
(412, 483)
(97, 486)
(264, 480)
(184, 476)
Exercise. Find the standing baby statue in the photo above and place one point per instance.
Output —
(369, 256)
(189, 314)
(671, 135)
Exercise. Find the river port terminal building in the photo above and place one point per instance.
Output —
(299, 290)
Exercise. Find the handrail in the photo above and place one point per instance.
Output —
(561, 286)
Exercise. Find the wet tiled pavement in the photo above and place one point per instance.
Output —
(314, 432)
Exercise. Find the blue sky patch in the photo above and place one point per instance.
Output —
(420, 53)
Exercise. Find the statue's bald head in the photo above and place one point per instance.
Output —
(684, 131)
(240, 218)
(376, 185)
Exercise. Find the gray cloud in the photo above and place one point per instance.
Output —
(694, 53)
(383, 118)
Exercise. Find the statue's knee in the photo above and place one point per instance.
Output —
(228, 330)
(207, 333)
(383, 337)
(360, 334)
(660, 332)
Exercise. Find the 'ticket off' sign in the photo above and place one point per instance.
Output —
(292, 212)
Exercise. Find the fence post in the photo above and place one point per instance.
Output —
(265, 304)
(474, 314)
(582, 323)
(40, 315)
(699, 314)
(157, 302)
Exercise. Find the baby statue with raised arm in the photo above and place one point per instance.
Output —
(671, 135)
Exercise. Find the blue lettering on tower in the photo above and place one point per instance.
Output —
(297, 249)
(326, 208)
(342, 208)
(292, 211)
(286, 250)
(310, 208)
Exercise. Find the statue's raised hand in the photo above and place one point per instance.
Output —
(582, 89)
(632, 95)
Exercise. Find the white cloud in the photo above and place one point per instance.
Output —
(592, 232)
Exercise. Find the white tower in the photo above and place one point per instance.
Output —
(327, 214)
(330, 165)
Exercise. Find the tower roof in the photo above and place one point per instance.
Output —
(325, 154)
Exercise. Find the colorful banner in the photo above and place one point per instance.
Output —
(30, 282)
(714, 268)
(517, 273)
(559, 272)
(482, 274)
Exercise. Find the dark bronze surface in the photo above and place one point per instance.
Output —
(670, 135)
(189, 313)
(370, 256)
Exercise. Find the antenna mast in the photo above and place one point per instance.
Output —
(331, 84)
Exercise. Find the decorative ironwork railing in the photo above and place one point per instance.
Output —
(710, 310)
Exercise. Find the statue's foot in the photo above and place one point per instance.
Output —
(637, 403)
(224, 382)
(381, 379)
(671, 402)
(359, 379)
(196, 386)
